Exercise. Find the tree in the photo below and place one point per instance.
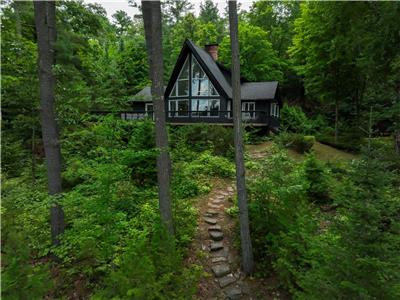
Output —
(45, 20)
(247, 251)
(209, 15)
(153, 33)
(259, 61)
(176, 9)
(122, 21)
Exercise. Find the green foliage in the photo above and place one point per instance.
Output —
(282, 221)
(258, 61)
(316, 175)
(298, 142)
(207, 164)
(352, 254)
(202, 137)
(362, 263)
(293, 119)
(20, 279)
(144, 274)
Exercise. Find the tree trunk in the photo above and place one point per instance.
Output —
(45, 14)
(336, 120)
(152, 24)
(247, 251)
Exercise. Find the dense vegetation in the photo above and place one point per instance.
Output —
(328, 229)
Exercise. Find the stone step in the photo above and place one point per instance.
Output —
(214, 228)
(226, 280)
(224, 194)
(233, 292)
(220, 197)
(210, 221)
(214, 246)
(221, 270)
(212, 212)
(216, 235)
(219, 259)
(213, 206)
(221, 252)
(216, 202)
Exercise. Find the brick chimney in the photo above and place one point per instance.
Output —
(212, 49)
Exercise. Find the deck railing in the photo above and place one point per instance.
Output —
(218, 116)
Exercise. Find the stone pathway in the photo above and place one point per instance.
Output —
(220, 257)
(215, 248)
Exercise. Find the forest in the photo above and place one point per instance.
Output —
(120, 215)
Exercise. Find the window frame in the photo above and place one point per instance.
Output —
(208, 111)
(176, 112)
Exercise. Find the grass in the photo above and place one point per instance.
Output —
(322, 152)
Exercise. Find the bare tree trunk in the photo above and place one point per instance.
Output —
(247, 251)
(45, 13)
(336, 120)
(152, 24)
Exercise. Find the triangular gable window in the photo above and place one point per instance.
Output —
(181, 87)
(201, 85)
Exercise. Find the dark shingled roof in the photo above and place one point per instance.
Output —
(219, 75)
(259, 90)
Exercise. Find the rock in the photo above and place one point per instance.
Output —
(216, 235)
(221, 270)
(213, 206)
(212, 212)
(218, 259)
(216, 246)
(224, 193)
(230, 189)
(226, 280)
(210, 221)
(233, 292)
(217, 202)
(221, 197)
(215, 228)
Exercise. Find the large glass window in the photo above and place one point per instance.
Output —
(205, 107)
(178, 108)
(201, 85)
(181, 87)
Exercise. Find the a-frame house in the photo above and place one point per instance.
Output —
(199, 91)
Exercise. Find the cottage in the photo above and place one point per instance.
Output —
(199, 91)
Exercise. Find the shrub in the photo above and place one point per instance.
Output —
(21, 279)
(202, 137)
(361, 260)
(317, 178)
(207, 164)
(295, 141)
(293, 119)
(151, 268)
(282, 222)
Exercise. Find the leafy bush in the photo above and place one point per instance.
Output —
(282, 222)
(350, 255)
(362, 260)
(293, 119)
(207, 164)
(202, 137)
(20, 279)
(297, 142)
(317, 178)
(149, 270)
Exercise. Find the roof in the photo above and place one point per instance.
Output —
(219, 75)
(259, 90)
(143, 96)
(211, 65)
